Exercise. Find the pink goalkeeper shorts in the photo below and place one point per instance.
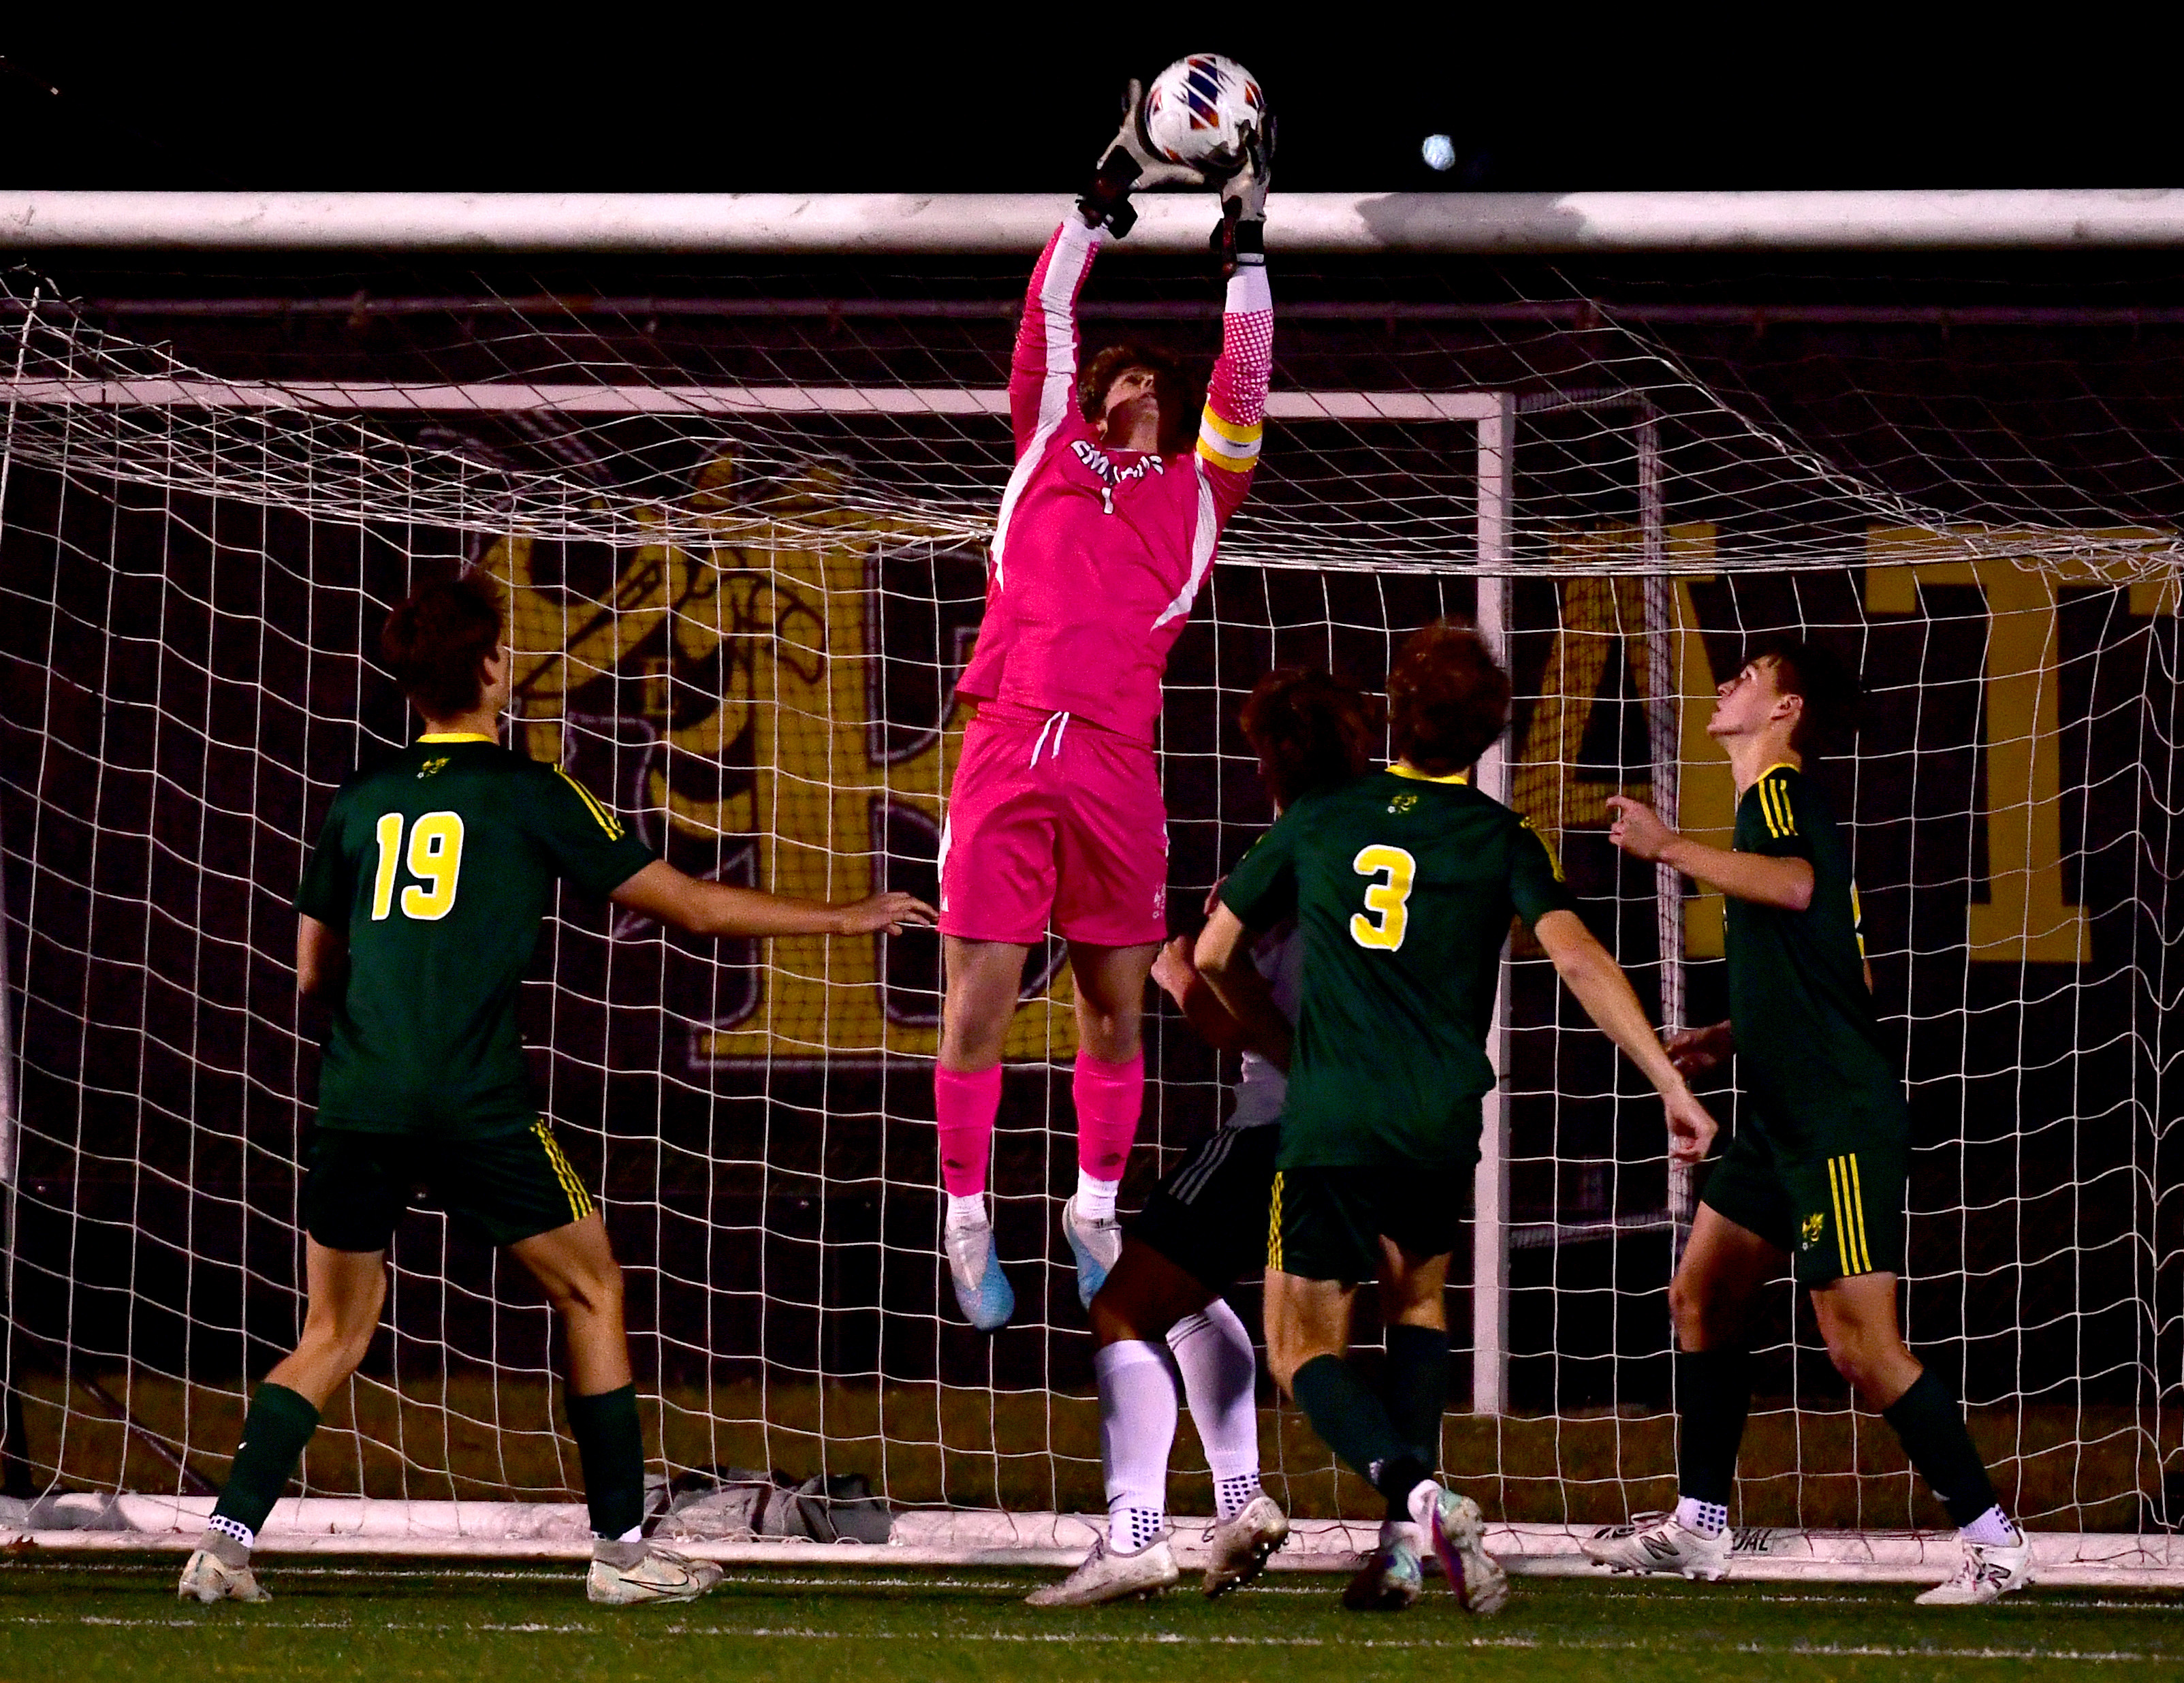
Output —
(1053, 820)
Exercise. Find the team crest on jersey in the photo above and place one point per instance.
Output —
(430, 766)
(1403, 803)
(1809, 1236)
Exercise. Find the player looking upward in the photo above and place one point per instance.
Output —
(420, 911)
(1205, 1226)
(1121, 488)
(1818, 1171)
(1402, 885)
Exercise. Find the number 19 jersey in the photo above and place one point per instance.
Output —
(440, 866)
(1402, 887)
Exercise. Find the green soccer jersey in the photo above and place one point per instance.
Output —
(1810, 1047)
(1402, 887)
(440, 866)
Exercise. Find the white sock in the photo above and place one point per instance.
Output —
(1708, 1518)
(1095, 1199)
(1213, 1353)
(1137, 1428)
(1993, 1529)
(966, 1211)
(233, 1529)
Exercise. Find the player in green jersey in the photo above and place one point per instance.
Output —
(420, 911)
(1817, 1172)
(1403, 885)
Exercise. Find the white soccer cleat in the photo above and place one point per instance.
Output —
(1239, 1547)
(659, 1575)
(1665, 1545)
(983, 1291)
(1097, 1245)
(207, 1579)
(1987, 1573)
(1452, 1527)
(1108, 1576)
(1392, 1577)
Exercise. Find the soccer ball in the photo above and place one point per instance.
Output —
(1196, 108)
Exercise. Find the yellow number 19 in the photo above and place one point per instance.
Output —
(436, 860)
(1387, 911)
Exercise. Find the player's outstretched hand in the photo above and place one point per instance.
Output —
(1637, 829)
(1173, 971)
(1691, 1127)
(1128, 163)
(1695, 1051)
(893, 912)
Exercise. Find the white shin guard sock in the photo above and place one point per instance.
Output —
(1137, 1430)
(1214, 1352)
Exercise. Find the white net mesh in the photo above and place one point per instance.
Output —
(745, 576)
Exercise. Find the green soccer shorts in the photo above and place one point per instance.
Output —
(507, 1186)
(1834, 1204)
(1327, 1223)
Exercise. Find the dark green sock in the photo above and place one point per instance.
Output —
(1415, 1389)
(611, 1445)
(1354, 1423)
(1713, 1396)
(1930, 1423)
(279, 1424)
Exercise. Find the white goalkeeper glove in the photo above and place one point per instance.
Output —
(1130, 163)
(1239, 240)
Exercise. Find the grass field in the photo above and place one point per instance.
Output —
(113, 1620)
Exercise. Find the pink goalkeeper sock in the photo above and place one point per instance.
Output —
(965, 1106)
(1109, 1098)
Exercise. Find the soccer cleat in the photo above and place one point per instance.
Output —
(1987, 1573)
(1391, 1577)
(207, 1579)
(1097, 1245)
(1240, 1547)
(1106, 1576)
(1664, 1545)
(1452, 1527)
(659, 1575)
(983, 1291)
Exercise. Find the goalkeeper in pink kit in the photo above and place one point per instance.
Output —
(1105, 533)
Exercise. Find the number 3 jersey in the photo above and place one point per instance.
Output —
(1402, 887)
(440, 866)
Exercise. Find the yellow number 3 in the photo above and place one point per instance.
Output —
(1387, 913)
(436, 860)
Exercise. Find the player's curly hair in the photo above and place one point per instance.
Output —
(1447, 698)
(1813, 672)
(438, 640)
(1180, 401)
(1311, 731)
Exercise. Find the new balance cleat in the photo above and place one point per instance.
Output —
(1097, 1245)
(1237, 1548)
(983, 1291)
(1108, 1576)
(658, 1574)
(1452, 1527)
(1987, 1573)
(1392, 1577)
(207, 1579)
(1664, 1545)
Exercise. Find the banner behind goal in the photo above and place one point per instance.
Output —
(745, 574)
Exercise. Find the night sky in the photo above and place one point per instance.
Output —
(337, 99)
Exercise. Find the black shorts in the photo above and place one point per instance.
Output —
(1835, 1203)
(506, 1186)
(1327, 1223)
(1208, 1215)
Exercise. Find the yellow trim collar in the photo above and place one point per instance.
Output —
(1418, 777)
(454, 736)
(1780, 766)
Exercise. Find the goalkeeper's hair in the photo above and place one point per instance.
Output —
(1447, 698)
(1816, 676)
(1311, 731)
(438, 640)
(1180, 401)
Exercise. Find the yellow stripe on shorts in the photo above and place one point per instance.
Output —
(1842, 1227)
(1858, 1211)
(1274, 1225)
(580, 1201)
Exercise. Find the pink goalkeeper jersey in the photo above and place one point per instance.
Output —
(1099, 553)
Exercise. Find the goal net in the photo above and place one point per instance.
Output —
(742, 535)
